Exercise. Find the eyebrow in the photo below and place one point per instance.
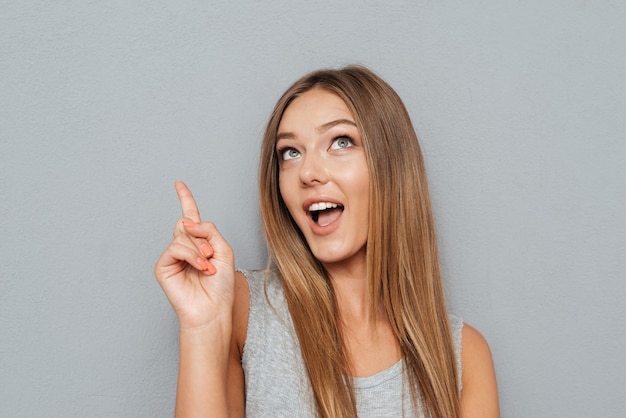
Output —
(321, 129)
(334, 123)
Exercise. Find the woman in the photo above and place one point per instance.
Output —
(352, 318)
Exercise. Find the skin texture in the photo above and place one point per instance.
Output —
(480, 390)
(322, 159)
(196, 272)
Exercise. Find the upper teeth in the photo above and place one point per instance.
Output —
(322, 206)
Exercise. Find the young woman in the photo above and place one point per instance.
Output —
(350, 320)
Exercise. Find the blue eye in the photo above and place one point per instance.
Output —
(289, 154)
(342, 142)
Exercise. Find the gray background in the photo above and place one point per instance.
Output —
(520, 107)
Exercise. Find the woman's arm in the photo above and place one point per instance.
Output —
(210, 373)
(236, 382)
(196, 272)
(202, 371)
(479, 397)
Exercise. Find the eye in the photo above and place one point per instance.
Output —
(342, 142)
(288, 153)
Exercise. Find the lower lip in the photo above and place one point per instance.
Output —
(324, 230)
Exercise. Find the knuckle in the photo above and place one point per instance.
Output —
(191, 212)
(179, 239)
(179, 228)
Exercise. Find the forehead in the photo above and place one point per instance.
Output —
(314, 107)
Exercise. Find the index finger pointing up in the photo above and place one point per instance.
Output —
(187, 202)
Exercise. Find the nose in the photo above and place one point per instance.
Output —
(313, 170)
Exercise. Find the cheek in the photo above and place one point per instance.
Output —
(287, 193)
(281, 186)
(358, 179)
(361, 187)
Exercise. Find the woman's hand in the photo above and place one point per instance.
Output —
(196, 271)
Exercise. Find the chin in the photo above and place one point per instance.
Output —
(329, 256)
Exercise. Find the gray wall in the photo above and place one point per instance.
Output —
(103, 105)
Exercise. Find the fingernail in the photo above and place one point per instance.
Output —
(206, 250)
(204, 265)
(211, 269)
(189, 224)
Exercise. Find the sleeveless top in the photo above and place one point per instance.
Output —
(276, 381)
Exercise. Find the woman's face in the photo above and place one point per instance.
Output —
(323, 176)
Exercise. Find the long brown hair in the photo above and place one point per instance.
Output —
(403, 272)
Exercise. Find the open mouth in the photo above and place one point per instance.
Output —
(325, 213)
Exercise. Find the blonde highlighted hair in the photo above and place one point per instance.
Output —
(403, 272)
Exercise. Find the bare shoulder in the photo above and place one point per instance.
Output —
(479, 397)
(236, 382)
(241, 310)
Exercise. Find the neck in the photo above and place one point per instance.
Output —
(349, 282)
(368, 339)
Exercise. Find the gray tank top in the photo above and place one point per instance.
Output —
(276, 381)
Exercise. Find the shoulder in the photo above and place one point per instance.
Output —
(241, 310)
(480, 391)
(236, 380)
(253, 289)
(259, 282)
